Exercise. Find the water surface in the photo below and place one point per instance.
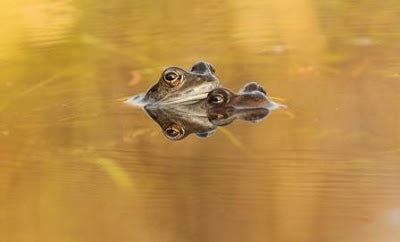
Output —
(76, 164)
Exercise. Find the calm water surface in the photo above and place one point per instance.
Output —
(78, 165)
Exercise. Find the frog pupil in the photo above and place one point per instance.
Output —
(216, 99)
(170, 76)
(172, 132)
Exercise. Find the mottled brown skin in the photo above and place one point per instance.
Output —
(184, 102)
(179, 107)
(179, 121)
(186, 87)
(250, 104)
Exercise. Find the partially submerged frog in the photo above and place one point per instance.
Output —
(250, 104)
(183, 102)
(177, 101)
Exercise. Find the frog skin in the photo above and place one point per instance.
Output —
(185, 102)
(177, 86)
(250, 104)
(177, 102)
(177, 121)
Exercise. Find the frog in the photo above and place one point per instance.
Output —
(177, 86)
(251, 103)
(193, 102)
(177, 102)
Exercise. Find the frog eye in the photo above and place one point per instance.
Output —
(218, 97)
(174, 132)
(172, 78)
(221, 117)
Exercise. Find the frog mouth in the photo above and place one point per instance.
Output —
(136, 100)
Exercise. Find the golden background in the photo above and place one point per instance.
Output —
(78, 165)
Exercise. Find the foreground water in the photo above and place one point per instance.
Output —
(76, 164)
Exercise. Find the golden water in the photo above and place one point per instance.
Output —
(78, 165)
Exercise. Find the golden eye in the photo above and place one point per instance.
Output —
(174, 132)
(220, 118)
(172, 78)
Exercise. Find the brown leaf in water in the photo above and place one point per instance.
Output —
(277, 99)
(232, 138)
(290, 114)
(115, 172)
(135, 78)
(357, 69)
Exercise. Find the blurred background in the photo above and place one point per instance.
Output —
(76, 164)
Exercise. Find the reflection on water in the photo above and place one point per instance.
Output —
(78, 165)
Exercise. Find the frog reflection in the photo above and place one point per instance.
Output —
(220, 107)
(250, 104)
(177, 121)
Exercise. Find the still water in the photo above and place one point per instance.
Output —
(76, 164)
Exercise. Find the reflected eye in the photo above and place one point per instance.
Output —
(220, 118)
(174, 132)
(172, 78)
